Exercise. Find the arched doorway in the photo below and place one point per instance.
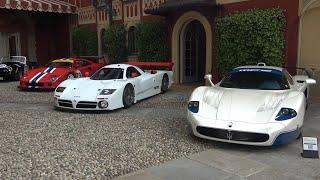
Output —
(192, 18)
(132, 40)
(310, 42)
(193, 52)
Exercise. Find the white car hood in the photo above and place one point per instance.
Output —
(256, 106)
(85, 89)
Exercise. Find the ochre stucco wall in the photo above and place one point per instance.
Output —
(310, 42)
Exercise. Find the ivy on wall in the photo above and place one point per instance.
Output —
(85, 42)
(151, 41)
(115, 41)
(249, 37)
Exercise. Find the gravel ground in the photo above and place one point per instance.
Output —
(39, 142)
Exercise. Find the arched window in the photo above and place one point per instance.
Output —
(103, 43)
(132, 40)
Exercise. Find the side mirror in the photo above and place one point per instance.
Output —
(209, 78)
(311, 81)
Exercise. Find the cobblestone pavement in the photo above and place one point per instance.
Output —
(38, 142)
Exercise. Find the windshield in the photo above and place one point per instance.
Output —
(108, 74)
(256, 80)
(13, 59)
(60, 64)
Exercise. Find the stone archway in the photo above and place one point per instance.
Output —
(309, 41)
(308, 29)
(192, 52)
(177, 33)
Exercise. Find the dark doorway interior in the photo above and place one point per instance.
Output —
(12, 46)
(194, 53)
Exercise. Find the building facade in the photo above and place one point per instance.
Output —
(37, 29)
(191, 29)
(41, 29)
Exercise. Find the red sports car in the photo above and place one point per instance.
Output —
(55, 72)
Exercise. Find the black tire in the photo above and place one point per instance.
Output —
(299, 136)
(128, 96)
(18, 75)
(306, 95)
(165, 84)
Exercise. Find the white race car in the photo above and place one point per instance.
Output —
(112, 87)
(253, 105)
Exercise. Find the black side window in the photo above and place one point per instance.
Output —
(132, 72)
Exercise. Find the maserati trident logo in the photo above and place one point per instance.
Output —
(229, 135)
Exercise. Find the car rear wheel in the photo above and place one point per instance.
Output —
(128, 96)
(165, 84)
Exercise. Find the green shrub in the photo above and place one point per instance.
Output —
(115, 40)
(85, 42)
(249, 37)
(151, 41)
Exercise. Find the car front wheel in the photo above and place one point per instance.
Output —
(128, 96)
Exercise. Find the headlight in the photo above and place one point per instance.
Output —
(285, 114)
(193, 106)
(107, 91)
(60, 89)
(54, 79)
(103, 104)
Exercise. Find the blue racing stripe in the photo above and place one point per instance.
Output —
(34, 81)
(261, 70)
(48, 69)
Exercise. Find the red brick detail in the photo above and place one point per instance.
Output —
(85, 3)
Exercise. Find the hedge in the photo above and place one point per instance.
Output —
(152, 42)
(115, 41)
(249, 37)
(85, 42)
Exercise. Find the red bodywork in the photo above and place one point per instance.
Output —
(50, 77)
(153, 65)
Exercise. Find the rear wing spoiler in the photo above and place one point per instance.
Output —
(153, 65)
(301, 71)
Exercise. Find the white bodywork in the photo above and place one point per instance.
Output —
(88, 91)
(230, 111)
